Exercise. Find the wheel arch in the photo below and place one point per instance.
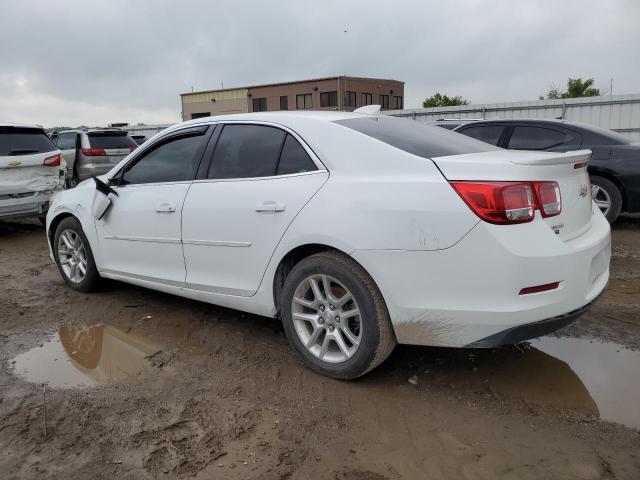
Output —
(295, 256)
(53, 226)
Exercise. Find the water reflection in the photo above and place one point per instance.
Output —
(83, 356)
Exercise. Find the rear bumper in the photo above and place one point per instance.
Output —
(469, 293)
(32, 206)
(521, 333)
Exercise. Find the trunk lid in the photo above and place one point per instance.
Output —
(568, 169)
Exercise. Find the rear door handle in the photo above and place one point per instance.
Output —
(270, 206)
(165, 208)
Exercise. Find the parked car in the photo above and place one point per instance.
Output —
(614, 167)
(90, 152)
(451, 123)
(357, 231)
(31, 170)
(139, 139)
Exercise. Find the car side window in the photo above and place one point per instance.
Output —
(540, 138)
(485, 133)
(173, 161)
(294, 158)
(66, 141)
(246, 151)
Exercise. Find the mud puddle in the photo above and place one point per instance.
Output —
(80, 356)
(609, 373)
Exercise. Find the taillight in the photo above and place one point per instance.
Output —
(498, 202)
(510, 202)
(133, 148)
(53, 161)
(93, 152)
(549, 200)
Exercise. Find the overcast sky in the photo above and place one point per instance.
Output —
(98, 62)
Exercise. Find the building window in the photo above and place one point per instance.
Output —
(384, 102)
(200, 115)
(304, 101)
(284, 102)
(260, 104)
(349, 99)
(329, 99)
(397, 103)
(367, 99)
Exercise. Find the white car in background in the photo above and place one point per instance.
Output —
(31, 170)
(358, 231)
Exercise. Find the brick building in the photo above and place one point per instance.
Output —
(333, 93)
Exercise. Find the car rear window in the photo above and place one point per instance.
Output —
(109, 140)
(24, 141)
(416, 137)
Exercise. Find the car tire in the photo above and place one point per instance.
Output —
(367, 339)
(70, 243)
(607, 197)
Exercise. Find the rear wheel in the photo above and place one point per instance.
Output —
(335, 316)
(72, 181)
(74, 257)
(606, 196)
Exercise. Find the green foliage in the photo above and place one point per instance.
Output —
(576, 88)
(439, 100)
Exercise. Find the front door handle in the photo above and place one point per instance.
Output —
(270, 206)
(165, 208)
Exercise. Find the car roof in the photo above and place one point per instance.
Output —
(20, 125)
(547, 121)
(284, 117)
(90, 130)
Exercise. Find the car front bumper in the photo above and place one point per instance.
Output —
(468, 295)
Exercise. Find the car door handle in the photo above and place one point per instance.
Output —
(270, 206)
(165, 208)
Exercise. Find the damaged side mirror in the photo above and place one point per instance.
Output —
(102, 199)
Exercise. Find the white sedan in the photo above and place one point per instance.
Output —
(357, 231)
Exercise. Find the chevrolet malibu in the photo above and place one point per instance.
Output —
(358, 231)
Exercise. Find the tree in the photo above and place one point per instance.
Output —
(576, 88)
(438, 100)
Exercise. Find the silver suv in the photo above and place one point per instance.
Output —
(91, 152)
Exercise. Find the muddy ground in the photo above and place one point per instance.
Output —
(185, 389)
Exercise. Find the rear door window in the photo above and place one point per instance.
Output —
(246, 151)
(23, 141)
(294, 158)
(528, 137)
(111, 140)
(485, 133)
(67, 141)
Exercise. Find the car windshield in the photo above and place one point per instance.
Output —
(24, 141)
(109, 140)
(416, 137)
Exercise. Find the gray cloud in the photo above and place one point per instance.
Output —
(75, 62)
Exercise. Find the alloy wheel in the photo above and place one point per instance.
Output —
(326, 318)
(601, 198)
(72, 256)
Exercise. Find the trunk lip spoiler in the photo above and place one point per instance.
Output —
(550, 158)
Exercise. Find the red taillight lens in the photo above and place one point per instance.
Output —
(53, 161)
(549, 200)
(93, 152)
(510, 202)
(499, 202)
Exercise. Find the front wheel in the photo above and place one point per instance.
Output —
(74, 257)
(335, 316)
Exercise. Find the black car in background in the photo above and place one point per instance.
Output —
(614, 167)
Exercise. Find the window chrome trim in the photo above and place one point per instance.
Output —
(254, 179)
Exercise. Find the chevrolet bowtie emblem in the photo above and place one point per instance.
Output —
(15, 163)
